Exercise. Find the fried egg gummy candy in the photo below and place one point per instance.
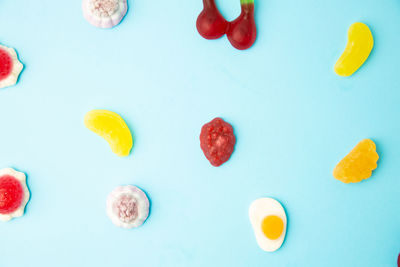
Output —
(14, 194)
(127, 206)
(358, 164)
(10, 66)
(104, 13)
(269, 222)
(359, 46)
(112, 128)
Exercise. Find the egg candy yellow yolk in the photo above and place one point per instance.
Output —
(112, 128)
(272, 227)
(359, 45)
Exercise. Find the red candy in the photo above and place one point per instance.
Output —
(217, 141)
(11, 194)
(6, 64)
(398, 261)
(210, 23)
(242, 31)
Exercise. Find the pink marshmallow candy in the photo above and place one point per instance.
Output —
(127, 206)
(104, 13)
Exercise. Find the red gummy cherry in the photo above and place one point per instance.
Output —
(217, 141)
(6, 64)
(210, 23)
(11, 194)
(242, 32)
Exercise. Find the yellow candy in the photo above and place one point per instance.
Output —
(112, 128)
(358, 164)
(272, 227)
(359, 46)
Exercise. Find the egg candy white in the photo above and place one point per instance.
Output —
(258, 211)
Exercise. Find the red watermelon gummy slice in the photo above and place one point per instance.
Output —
(6, 64)
(217, 141)
(11, 194)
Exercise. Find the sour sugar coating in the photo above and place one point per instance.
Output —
(358, 164)
(104, 13)
(127, 206)
(217, 141)
(10, 66)
(14, 194)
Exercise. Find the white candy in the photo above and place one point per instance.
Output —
(22, 179)
(17, 67)
(127, 206)
(261, 208)
(104, 13)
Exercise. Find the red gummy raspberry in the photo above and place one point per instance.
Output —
(217, 141)
(11, 194)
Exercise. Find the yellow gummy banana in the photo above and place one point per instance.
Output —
(112, 128)
(359, 46)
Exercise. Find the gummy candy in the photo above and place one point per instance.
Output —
(358, 164)
(11, 194)
(217, 141)
(272, 227)
(210, 23)
(104, 13)
(111, 127)
(6, 64)
(127, 206)
(14, 194)
(241, 32)
(359, 45)
(10, 66)
(269, 221)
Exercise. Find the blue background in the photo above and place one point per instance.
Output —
(294, 119)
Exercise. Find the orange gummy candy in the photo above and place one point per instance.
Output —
(358, 164)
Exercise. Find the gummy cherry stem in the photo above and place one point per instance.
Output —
(242, 32)
(210, 23)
